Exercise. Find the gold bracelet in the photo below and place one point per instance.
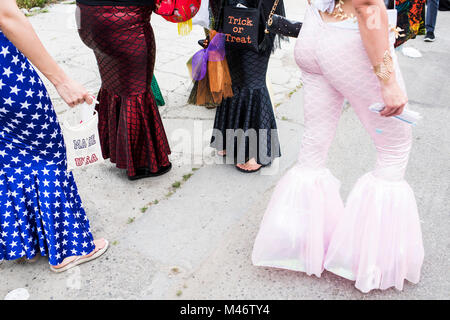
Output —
(385, 68)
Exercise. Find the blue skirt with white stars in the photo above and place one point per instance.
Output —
(40, 209)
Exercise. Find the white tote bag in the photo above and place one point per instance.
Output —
(81, 137)
(202, 16)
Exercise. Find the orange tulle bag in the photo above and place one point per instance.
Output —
(210, 73)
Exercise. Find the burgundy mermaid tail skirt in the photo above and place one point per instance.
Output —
(131, 130)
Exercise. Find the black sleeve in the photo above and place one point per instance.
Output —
(285, 27)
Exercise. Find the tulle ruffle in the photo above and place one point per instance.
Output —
(378, 241)
(299, 221)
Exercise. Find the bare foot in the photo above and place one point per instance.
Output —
(250, 165)
(99, 245)
(25, 260)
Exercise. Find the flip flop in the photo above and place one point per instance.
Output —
(253, 171)
(81, 259)
(248, 171)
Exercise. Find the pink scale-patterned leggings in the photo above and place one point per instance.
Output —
(335, 66)
(375, 238)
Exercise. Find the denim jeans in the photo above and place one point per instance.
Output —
(432, 10)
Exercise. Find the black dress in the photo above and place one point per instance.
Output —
(245, 123)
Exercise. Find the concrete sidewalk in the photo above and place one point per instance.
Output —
(189, 234)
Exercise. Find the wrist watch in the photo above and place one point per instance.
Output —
(385, 69)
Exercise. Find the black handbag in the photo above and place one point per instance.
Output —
(241, 26)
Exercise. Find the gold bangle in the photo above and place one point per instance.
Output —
(385, 68)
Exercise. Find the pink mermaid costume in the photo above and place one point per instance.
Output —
(375, 239)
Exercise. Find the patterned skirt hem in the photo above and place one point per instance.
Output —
(131, 131)
(42, 214)
(247, 121)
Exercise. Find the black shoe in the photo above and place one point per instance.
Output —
(142, 173)
(203, 43)
(429, 37)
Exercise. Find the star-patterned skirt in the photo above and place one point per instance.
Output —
(40, 209)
